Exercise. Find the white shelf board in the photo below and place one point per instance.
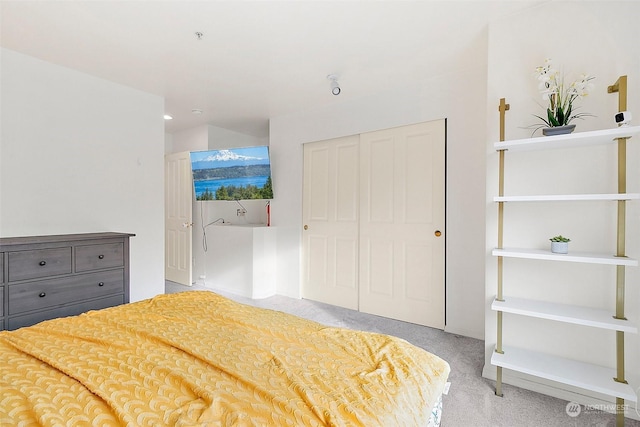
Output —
(568, 197)
(578, 139)
(586, 316)
(583, 257)
(579, 374)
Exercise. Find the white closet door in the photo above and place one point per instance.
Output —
(330, 219)
(178, 218)
(402, 219)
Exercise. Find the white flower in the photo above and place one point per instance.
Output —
(551, 84)
(582, 86)
(547, 93)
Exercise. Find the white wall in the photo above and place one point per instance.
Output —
(241, 260)
(168, 143)
(206, 255)
(80, 154)
(601, 39)
(457, 96)
(224, 138)
(208, 137)
(194, 139)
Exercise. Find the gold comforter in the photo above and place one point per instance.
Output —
(199, 359)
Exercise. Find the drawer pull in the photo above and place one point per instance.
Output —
(100, 256)
(100, 283)
(42, 295)
(42, 263)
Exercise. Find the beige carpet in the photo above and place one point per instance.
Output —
(471, 401)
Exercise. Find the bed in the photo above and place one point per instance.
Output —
(199, 359)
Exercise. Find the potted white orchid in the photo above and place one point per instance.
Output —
(560, 97)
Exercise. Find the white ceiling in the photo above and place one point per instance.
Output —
(255, 60)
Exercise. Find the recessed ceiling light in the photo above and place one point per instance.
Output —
(196, 111)
(167, 117)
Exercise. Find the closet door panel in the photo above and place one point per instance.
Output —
(402, 204)
(330, 222)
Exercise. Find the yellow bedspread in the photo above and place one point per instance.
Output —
(199, 359)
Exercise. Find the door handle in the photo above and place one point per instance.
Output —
(306, 227)
(438, 233)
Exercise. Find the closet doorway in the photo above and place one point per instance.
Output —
(374, 222)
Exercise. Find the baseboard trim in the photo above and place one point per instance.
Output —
(479, 335)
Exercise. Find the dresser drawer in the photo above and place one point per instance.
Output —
(39, 263)
(64, 290)
(94, 257)
(71, 310)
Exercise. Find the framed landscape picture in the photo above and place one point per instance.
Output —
(232, 174)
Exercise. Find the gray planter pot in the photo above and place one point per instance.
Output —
(560, 247)
(558, 130)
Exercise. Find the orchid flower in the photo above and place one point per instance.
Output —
(560, 111)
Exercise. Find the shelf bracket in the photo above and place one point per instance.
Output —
(620, 87)
(502, 108)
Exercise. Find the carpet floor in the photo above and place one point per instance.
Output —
(471, 401)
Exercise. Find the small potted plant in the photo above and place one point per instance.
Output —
(560, 244)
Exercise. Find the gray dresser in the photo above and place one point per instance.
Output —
(43, 277)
